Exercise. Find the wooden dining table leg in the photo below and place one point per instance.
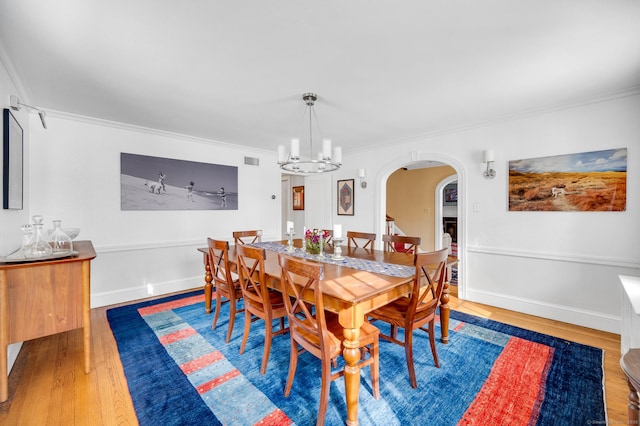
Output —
(208, 287)
(351, 354)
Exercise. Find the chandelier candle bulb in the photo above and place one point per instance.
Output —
(326, 149)
(282, 156)
(295, 148)
(337, 155)
(337, 231)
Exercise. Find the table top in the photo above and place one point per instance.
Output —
(630, 363)
(346, 286)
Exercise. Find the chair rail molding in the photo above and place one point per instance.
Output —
(558, 257)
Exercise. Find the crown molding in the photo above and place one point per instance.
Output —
(148, 130)
(505, 118)
(23, 92)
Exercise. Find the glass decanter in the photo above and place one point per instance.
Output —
(27, 233)
(60, 242)
(39, 246)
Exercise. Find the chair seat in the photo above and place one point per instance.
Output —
(275, 297)
(394, 312)
(335, 343)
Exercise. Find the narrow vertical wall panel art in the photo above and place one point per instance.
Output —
(586, 181)
(345, 197)
(154, 183)
(12, 163)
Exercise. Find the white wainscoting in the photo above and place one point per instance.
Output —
(582, 290)
(131, 272)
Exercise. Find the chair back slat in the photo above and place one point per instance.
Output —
(247, 237)
(401, 243)
(363, 240)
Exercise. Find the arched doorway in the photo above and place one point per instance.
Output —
(438, 189)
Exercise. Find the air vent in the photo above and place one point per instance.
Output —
(251, 161)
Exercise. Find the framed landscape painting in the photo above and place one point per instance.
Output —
(345, 197)
(155, 183)
(586, 181)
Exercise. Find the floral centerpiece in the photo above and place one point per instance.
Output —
(312, 240)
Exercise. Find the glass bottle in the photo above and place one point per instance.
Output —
(60, 242)
(27, 233)
(39, 246)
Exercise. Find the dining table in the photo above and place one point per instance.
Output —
(363, 280)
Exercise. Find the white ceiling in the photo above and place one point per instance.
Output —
(235, 71)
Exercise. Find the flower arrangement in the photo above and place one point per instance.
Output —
(312, 240)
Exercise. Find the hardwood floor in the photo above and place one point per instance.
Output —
(47, 386)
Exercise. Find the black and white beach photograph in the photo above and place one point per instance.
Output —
(155, 183)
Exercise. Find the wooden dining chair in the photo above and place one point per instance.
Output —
(259, 300)
(363, 240)
(419, 309)
(314, 332)
(225, 281)
(247, 237)
(401, 243)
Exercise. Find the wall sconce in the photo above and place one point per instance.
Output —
(16, 103)
(361, 174)
(489, 158)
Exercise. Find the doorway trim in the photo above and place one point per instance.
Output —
(438, 208)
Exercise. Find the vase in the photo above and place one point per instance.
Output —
(60, 241)
(313, 248)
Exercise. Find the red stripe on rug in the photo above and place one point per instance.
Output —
(161, 307)
(206, 387)
(177, 335)
(276, 417)
(201, 362)
(459, 326)
(512, 393)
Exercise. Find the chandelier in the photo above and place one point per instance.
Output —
(324, 162)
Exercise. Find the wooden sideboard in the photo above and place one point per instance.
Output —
(42, 298)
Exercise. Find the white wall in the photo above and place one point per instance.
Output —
(75, 174)
(11, 220)
(560, 265)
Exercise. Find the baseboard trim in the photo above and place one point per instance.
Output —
(584, 318)
(131, 294)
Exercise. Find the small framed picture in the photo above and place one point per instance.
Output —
(12, 164)
(298, 197)
(345, 197)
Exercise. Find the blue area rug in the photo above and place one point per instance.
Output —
(180, 372)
